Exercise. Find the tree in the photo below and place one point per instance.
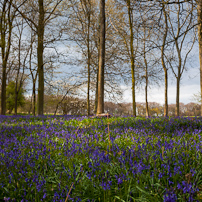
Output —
(130, 17)
(88, 13)
(180, 31)
(146, 72)
(147, 58)
(79, 34)
(122, 20)
(40, 48)
(100, 107)
(61, 89)
(155, 109)
(47, 11)
(34, 74)
(165, 34)
(10, 94)
(199, 8)
(22, 51)
(114, 68)
(7, 16)
(83, 25)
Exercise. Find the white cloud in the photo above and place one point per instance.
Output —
(157, 94)
(190, 85)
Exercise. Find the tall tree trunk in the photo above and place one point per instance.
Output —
(3, 89)
(4, 62)
(96, 93)
(133, 87)
(100, 107)
(146, 83)
(34, 99)
(178, 78)
(30, 108)
(16, 101)
(180, 50)
(89, 57)
(132, 57)
(18, 71)
(177, 108)
(5, 26)
(146, 96)
(163, 63)
(146, 74)
(40, 49)
(166, 90)
(97, 71)
(200, 43)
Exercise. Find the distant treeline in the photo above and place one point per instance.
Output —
(77, 106)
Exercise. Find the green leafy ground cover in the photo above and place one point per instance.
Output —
(71, 158)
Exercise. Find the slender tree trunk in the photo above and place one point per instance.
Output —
(96, 93)
(100, 107)
(178, 77)
(97, 72)
(133, 88)
(166, 92)
(163, 63)
(200, 43)
(30, 106)
(34, 99)
(146, 97)
(132, 57)
(16, 82)
(40, 49)
(146, 75)
(177, 109)
(146, 83)
(89, 57)
(3, 89)
(16, 101)
(88, 93)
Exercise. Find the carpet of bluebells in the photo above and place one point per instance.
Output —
(72, 158)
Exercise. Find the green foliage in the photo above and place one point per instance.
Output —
(10, 99)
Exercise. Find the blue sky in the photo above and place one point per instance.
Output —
(190, 83)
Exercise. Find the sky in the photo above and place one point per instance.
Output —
(190, 82)
(190, 85)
